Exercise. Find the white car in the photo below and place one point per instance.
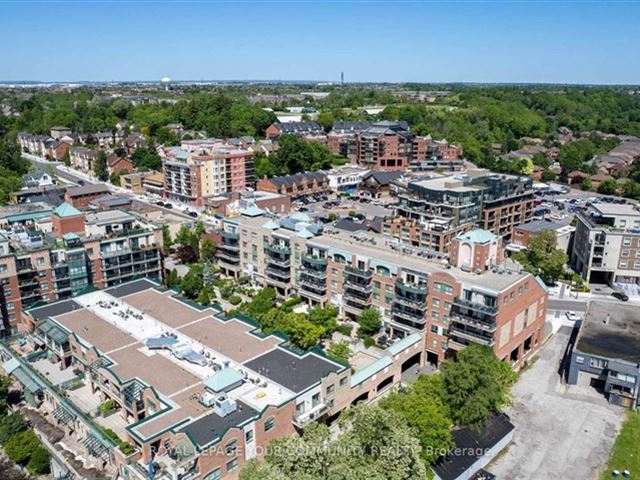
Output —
(573, 316)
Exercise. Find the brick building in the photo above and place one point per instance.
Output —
(300, 129)
(298, 185)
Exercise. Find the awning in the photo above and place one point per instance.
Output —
(94, 446)
(25, 379)
(54, 331)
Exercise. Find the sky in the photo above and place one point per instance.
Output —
(587, 42)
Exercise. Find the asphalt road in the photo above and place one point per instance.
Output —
(567, 305)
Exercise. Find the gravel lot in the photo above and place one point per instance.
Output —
(561, 431)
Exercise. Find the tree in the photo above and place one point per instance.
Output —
(333, 216)
(542, 257)
(145, 159)
(166, 237)
(39, 463)
(369, 321)
(608, 187)
(186, 254)
(20, 447)
(5, 385)
(11, 425)
(260, 304)
(66, 158)
(192, 282)
(586, 184)
(340, 351)
(476, 385)
(100, 167)
(375, 444)
(423, 409)
(204, 297)
(208, 250)
(171, 280)
(301, 332)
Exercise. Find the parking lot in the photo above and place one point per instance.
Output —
(561, 431)
(342, 206)
(561, 207)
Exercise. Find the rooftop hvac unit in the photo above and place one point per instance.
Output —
(224, 405)
(207, 399)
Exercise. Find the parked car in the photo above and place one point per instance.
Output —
(573, 316)
(168, 205)
(623, 297)
(193, 214)
(160, 204)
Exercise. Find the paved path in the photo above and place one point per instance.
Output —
(562, 432)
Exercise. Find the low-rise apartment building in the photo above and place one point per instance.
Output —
(389, 145)
(298, 185)
(202, 168)
(59, 254)
(83, 158)
(300, 129)
(433, 211)
(606, 352)
(606, 246)
(197, 393)
(478, 299)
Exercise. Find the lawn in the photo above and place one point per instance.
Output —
(626, 453)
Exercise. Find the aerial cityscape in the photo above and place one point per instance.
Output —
(257, 241)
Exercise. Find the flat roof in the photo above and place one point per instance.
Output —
(540, 225)
(54, 309)
(610, 329)
(90, 328)
(627, 209)
(230, 337)
(164, 307)
(291, 371)
(210, 427)
(130, 288)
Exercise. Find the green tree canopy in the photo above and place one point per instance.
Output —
(542, 257)
(370, 321)
(476, 385)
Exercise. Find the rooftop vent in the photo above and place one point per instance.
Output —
(224, 405)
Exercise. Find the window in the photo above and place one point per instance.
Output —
(598, 363)
(40, 261)
(343, 381)
(435, 315)
(232, 465)
(443, 287)
(447, 305)
(231, 447)
(436, 303)
(626, 242)
(625, 378)
(215, 475)
(3, 268)
(580, 360)
(269, 424)
(623, 264)
(434, 329)
(625, 253)
(331, 389)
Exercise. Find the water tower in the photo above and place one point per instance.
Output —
(166, 81)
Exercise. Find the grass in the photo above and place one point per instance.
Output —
(626, 453)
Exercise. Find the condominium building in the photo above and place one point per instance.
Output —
(432, 212)
(297, 185)
(390, 145)
(202, 168)
(59, 254)
(606, 246)
(477, 299)
(196, 393)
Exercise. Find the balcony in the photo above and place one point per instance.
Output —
(349, 270)
(278, 249)
(229, 235)
(356, 301)
(358, 287)
(414, 317)
(230, 257)
(489, 327)
(314, 261)
(229, 246)
(475, 337)
(478, 307)
(410, 302)
(314, 274)
(303, 419)
(278, 274)
(411, 288)
(284, 263)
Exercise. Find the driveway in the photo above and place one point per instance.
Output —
(561, 431)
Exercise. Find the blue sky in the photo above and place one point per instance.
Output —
(423, 41)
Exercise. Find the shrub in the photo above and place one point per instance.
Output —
(107, 406)
(111, 434)
(344, 329)
(39, 463)
(244, 280)
(126, 448)
(235, 299)
(369, 342)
